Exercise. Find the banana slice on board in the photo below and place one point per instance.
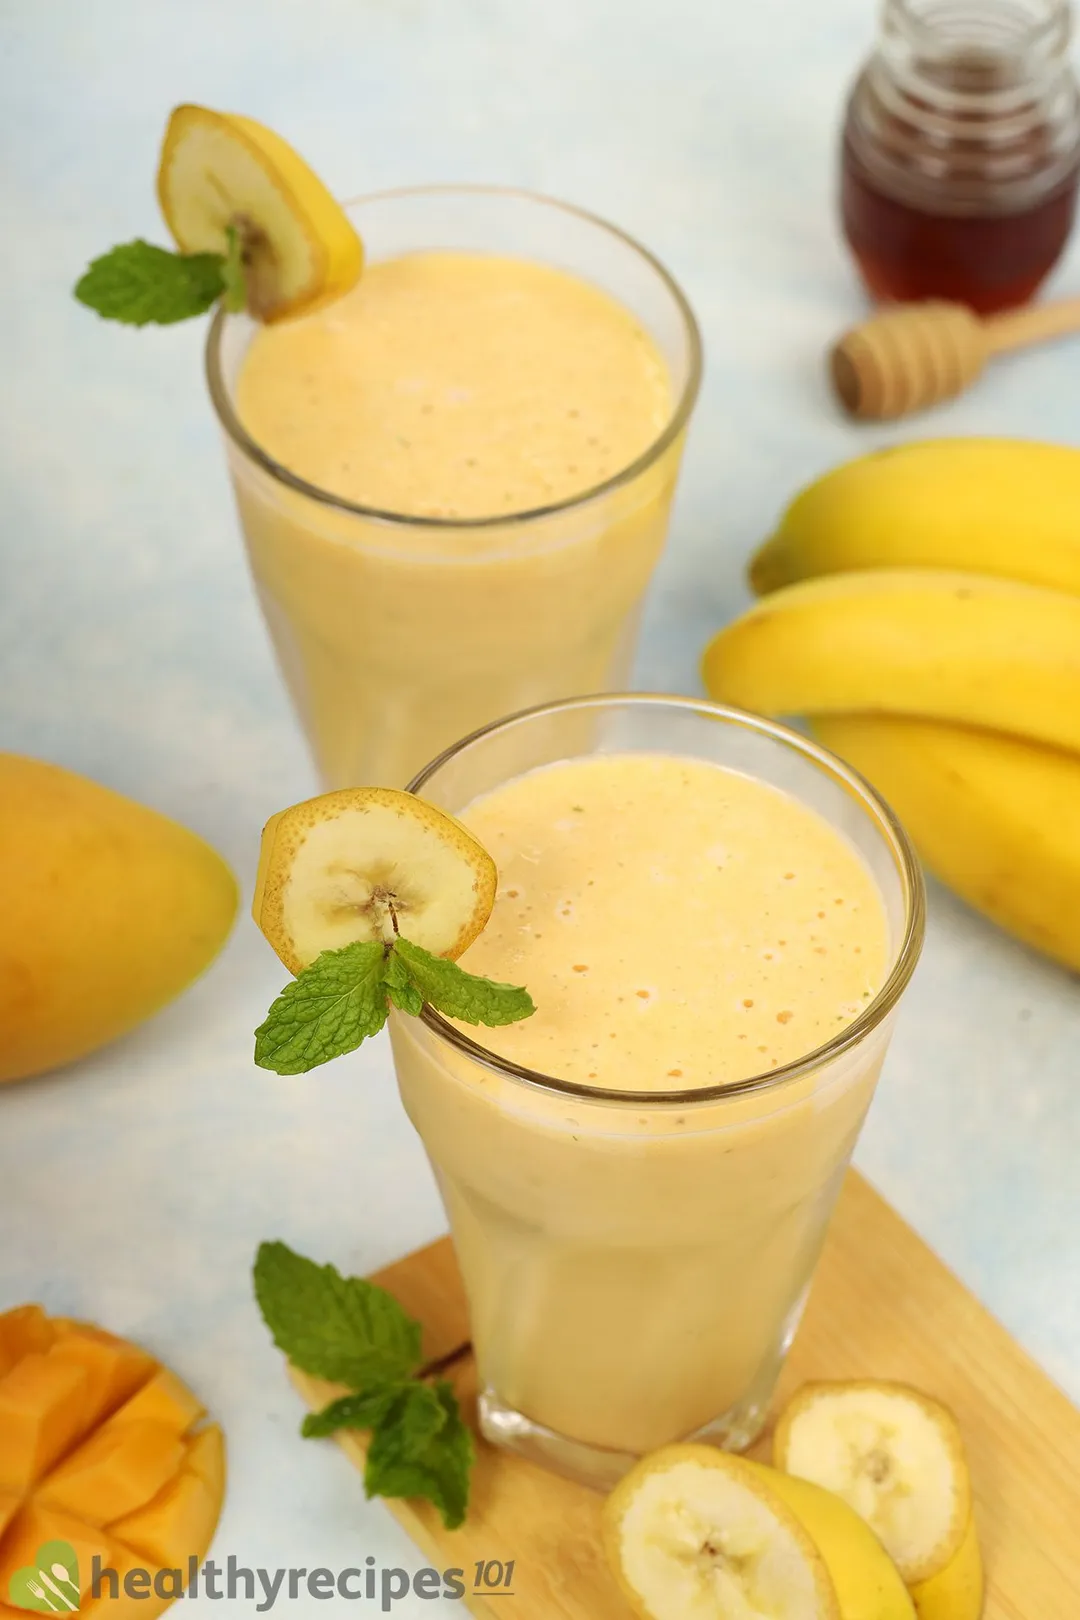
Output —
(219, 170)
(957, 1591)
(868, 1584)
(694, 1534)
(895, 1456)
(364, 863)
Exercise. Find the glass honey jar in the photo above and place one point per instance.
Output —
(961, 151)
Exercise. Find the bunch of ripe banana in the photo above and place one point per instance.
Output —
(921, 608)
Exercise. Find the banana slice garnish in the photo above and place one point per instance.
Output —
(365, 864)
(220, 170)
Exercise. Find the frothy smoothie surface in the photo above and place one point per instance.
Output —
(678, 924)
(457, 385)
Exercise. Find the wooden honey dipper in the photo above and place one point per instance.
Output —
(913, 355)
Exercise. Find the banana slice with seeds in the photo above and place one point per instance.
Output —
(219, 170)
(895, 1456)
(364, 864)
(694, 1534)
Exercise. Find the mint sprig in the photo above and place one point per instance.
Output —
(351, 1412)
(450, 990)
(353, 1332)
(343, 997)
(328, 1009)
(139, 283)
(424, 1451)
(341, 1328)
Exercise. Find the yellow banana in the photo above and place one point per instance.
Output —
(960, 647)
(996, 818)
(957, 1592)
(996, 506)
(868, 1584)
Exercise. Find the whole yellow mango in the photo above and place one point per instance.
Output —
(108, 911)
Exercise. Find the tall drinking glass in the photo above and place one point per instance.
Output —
(636, 1262)
(397, 634)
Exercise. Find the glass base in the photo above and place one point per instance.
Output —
(598, 1466)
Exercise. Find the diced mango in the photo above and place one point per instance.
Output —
(206, 1459)
(9, 1506)
(115, 1472)
(42, 1402)
(175, 1526)
(36, 1525)
(163, 1400)
(146, 1604)
(114, 1369)
(22, 1331)
(95, 1434)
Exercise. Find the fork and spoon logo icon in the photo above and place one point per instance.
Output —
(50, 1585)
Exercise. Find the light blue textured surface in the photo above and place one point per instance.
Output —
(136, 1189)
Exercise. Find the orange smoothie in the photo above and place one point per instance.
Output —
(448, 394)
(635, 1271)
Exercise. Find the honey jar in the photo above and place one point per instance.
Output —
(961, 151)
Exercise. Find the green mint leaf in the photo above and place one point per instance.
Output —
(415, 1417)
(399, 986)
(361, 1411)
(345, 1329)
(329, 1009)
(138, 283)
(410, 1456)
(450, 990)
(233, 273)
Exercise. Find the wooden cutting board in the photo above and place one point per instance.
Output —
(882, 1306)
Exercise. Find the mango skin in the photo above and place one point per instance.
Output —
(108, 911)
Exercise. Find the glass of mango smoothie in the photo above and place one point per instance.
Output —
(454, 481)
(716, 920)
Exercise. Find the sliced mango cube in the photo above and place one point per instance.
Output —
(114, 1369)
(115, 1472)
(36, 1525)
(163, 1400)
(9, 1506)
(175, 1526)
(206, 1458)
(22, 1331)
(42, 1407)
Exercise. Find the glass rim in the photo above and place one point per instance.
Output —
(879, 812)
(675, 425)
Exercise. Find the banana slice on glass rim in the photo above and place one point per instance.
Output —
(895, 1456)
(367, 864)
(219, 171)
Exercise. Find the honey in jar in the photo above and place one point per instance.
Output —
(961, 151)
